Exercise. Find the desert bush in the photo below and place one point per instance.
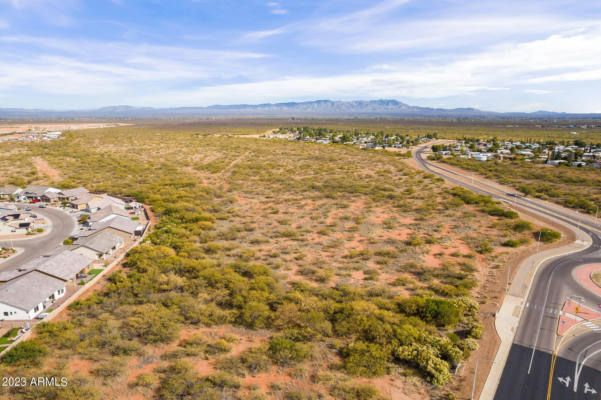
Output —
(151, 323)
(547, 235)
(27, 353)
(286, 352)
(365, 359)
(354, 391)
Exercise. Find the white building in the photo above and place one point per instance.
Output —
(28, 295)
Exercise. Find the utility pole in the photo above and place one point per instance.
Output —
(475, 374)
(538, 244)
(597, 214)
(507, 283)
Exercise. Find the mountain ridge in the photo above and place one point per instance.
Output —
(323, 108)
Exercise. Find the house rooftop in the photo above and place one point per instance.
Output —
(76, 192)
(101, 243)
(63, 265)
(116, 222)
(8, 190)
(29, 290)
(106, 211)
(37, 190)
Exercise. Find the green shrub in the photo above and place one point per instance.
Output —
(547, 235)
(152, 323)
(144, 380)
(353, 391)
(484, 247)
(286, 352)
(426, 358)
(28, 353)
(521, 226)
(109, 369)
(365, 359)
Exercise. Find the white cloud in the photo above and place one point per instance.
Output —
(276, 8)
(568, 56)
(83, 67)
(538, 91)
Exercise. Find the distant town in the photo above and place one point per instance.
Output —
(576, 154)
(368, 140)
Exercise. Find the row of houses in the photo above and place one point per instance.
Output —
(578, 154)
(33, 287)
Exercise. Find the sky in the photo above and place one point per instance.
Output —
(498, 55)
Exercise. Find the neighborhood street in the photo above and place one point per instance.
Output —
(62, 227)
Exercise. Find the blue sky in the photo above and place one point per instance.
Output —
(496, 55)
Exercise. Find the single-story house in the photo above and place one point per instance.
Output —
(106, 213)
(81, 202)
(51, 197)
(26, 296)
(34, 192)
(8, 191)
(64, 265)
(118, 225)
(72, 194)
(103, 201)
(99, 247)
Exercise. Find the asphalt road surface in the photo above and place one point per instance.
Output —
(528, 368)
(62, 227)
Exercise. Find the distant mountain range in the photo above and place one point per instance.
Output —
(318, 108)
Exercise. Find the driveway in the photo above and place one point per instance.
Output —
(62, 227)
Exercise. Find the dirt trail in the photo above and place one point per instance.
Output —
(46, 169)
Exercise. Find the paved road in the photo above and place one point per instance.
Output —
(62, 227)
(527, 371)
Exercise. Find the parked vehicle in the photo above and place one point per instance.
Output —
(42, 315)
(42, 206)
(27, 208)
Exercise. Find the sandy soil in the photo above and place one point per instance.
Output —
(46, 169)
(49, 127)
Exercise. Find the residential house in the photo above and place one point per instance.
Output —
(106, 213)
(102, 201)
(8, 191)
(34, 192)
(81, 202)
(99, 247)
(26, 296)
(72, 194)
(63, 265)
(118, 225)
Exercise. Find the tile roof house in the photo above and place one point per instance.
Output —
(26, 296)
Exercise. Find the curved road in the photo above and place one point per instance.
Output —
(62, 227)
(527, 370)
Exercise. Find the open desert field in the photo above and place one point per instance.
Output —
(277, 270)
